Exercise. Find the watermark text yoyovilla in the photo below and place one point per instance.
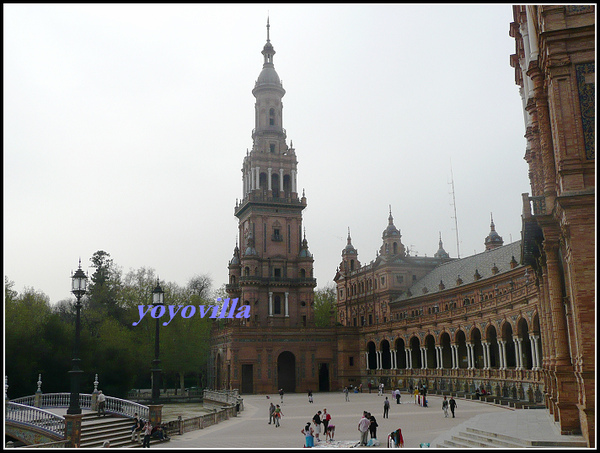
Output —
(223, 311)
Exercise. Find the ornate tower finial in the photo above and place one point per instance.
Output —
(268, 26)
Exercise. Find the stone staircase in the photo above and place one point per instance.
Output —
(117, 430)
(477, 438)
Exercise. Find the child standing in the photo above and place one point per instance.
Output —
(308, 434)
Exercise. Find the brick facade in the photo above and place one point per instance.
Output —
(554, 68)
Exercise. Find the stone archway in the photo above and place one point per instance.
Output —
(286, 372)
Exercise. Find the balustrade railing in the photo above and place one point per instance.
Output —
(126, 408)
(34, 416)
(113, 405)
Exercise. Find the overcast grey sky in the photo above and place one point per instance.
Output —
(125, 127)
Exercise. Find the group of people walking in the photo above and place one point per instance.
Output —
(448, 404)
(313, 430)
(275, 414)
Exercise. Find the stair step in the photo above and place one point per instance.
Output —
(117, 430)
(490, 439)
(470, 443)
(453, 444)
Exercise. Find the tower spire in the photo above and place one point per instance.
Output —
(268, 26)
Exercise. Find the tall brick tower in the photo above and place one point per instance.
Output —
(273, 266)
(271, 271)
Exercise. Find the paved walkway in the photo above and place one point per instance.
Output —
(418, 424)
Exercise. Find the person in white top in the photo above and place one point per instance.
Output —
(101, 403)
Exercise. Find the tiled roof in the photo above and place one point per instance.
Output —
(449, 272)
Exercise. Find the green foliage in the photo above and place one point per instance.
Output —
(36, 341)
(39, 338)
(325, 306)
(185, 341)
(103, 293)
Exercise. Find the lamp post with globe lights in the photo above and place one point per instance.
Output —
(157, 300)
(78, 288)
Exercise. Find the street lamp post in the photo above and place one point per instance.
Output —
(78, 288)
(157, 300)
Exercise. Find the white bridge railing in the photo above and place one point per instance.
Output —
(34, 416)
(113, 405)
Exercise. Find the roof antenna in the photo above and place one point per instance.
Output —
(454, 206)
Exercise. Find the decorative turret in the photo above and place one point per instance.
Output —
(304, 253)
(349, 256)
(391, 236)
(493, 239)
(441, 253)
(235, 260)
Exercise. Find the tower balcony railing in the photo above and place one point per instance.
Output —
(268, 129)
(278, 281)
(266, 196)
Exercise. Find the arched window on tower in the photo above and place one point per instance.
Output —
(272, 117)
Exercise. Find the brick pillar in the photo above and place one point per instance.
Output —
(155, 414)
(566, 388)
(73, 429)
(543, 120)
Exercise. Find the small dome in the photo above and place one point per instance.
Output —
(349, 249)
(441, 253)
(304, 253)
(391, 229)
(268, 76)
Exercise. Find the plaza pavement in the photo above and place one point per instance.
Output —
(250, 429)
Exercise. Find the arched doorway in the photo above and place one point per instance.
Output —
(446, 351)
(430, 352)
(386, 356)
(415, 352)
(323, 377)
(286, 372)
(400, 354)
(461, 342)
(477, 348)
(371, 356)
(491, 337)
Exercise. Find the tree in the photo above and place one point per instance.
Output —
(325, 306)
(9, 293)
(103, 293)
(36, 341)
(185, 342)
